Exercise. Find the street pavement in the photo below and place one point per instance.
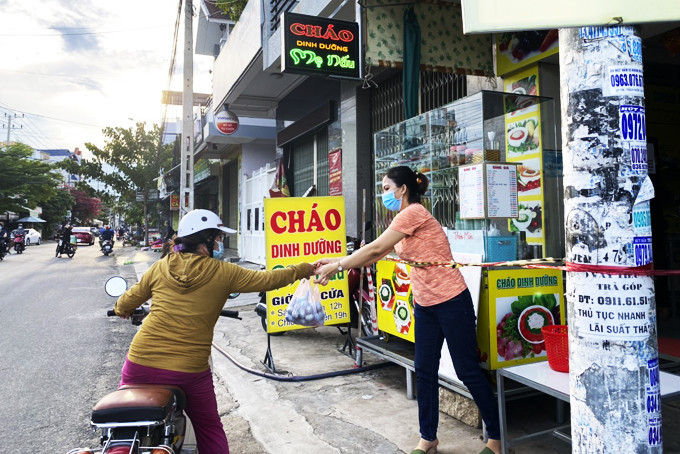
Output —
(292, 411)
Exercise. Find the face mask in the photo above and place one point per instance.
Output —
(390, 202)
(219, 253)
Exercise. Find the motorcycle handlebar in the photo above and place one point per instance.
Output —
(230, 314)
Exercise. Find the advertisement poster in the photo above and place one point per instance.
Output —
(524, 147)
(335, 172)
(174, 202)
(521, 302)
(516, 50)
(304, 229)
(395, 299)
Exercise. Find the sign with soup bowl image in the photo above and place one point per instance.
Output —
(521, 302)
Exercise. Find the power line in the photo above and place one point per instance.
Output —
(52, 118)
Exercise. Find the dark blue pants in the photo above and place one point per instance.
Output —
(453, 320)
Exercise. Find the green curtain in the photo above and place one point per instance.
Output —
(411, 69)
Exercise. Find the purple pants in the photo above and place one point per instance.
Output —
(201, 402)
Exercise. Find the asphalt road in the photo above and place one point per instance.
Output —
(60, 353)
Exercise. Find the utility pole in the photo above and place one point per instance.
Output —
(613, 350)
(187, 145)
(10, 117)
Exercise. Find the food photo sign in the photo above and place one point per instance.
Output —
(521, 302)
(304, 229)
(524, 147)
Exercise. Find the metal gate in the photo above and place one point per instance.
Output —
(256, 189)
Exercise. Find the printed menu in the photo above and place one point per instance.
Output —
(501, 187)
(488, 190)
(471, 181)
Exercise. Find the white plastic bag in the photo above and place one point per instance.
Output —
(305, 307)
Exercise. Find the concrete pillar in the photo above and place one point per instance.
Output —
(355, 138)
(613, 352)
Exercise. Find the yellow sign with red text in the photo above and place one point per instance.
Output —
(305, 229)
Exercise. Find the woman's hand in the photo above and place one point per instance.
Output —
(306, 270)
(325, 270)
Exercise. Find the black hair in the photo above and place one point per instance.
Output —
(191, 242)
(416, 182)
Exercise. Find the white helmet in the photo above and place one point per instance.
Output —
(198, 220)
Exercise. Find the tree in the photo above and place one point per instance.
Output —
(86, 208)
(233, 8)
(55, 210)
(24, 182)
(137, 156)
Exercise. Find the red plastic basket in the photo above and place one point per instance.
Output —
(557, 346)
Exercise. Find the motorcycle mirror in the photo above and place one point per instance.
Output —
(115, 286)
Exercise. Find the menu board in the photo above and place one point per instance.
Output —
(501, 191)
(488, 190)
(471, 187)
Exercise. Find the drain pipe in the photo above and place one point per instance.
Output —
(293, 378)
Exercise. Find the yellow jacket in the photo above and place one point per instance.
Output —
(188, 292)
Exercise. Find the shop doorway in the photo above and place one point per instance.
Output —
(256, 188)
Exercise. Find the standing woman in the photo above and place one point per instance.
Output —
(189, 290)
(443, 305)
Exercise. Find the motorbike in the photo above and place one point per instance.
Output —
(140, 419)
(128, 239)
(3, 249)
(19, 244)
(361, 295)
(107, 247)
(68, 248)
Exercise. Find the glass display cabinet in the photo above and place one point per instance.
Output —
(486, 127)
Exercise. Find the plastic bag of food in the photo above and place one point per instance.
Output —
(305, 307)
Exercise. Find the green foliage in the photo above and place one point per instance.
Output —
(233, 8)
(54, 211)
(137, 156)
(24, 182)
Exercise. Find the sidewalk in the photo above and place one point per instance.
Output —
(366, 412)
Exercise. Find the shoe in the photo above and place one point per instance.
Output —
(432, 450)
(486, 450)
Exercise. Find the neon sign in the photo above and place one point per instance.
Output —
(319, 46)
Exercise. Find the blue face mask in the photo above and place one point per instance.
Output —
(390, 202)
(219, 253)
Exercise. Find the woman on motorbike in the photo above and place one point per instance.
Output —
(443, 308)
(189, 289)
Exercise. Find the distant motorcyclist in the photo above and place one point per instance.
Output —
(107, 234)
(19, 231)
(65, 236)
(4, 238)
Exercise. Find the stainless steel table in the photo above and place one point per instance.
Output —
(541, 377)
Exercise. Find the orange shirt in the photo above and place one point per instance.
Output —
(426, 241)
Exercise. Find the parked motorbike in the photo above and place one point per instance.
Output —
(140, 419)
(107, 247)
(19, 244)
(128, 239)
(68, 248)
(361, 294)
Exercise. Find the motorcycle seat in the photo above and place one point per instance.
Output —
(133, 403)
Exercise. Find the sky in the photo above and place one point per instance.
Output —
(69, 69)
